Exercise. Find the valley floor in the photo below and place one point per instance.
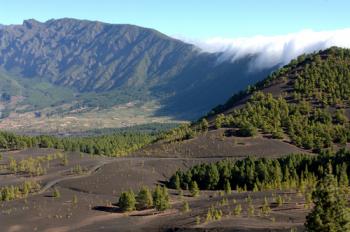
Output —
(98, 187)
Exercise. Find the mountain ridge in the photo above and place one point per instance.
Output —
(73, 43)
(102, 65)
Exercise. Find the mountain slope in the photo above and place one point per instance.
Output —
(322, 78)
(90, 55)
(306, 103)
(121, 63)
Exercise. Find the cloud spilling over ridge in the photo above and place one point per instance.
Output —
(270, 51)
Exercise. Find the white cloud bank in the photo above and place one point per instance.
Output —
(274, 50)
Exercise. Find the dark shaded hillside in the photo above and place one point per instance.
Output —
(123, 62)
(198, 89)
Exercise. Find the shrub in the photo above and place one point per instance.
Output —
(238, 210)
(56, 193)
(204, 125)
(198, 220)
(279, 201)
(265, 209)
(247, 130)
(185, 207)
(251, 210)
(75, 200)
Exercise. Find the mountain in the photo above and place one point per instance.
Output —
(305, 103)
(321, 78)
(102, 65)
(91, 56)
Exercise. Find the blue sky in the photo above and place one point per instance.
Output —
(192, 18)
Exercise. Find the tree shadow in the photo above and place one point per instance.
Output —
(163, 183)
(108, 209)
(49, 196)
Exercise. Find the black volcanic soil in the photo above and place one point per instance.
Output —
(214, 144)
(98, 191)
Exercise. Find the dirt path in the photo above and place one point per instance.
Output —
(89, 172)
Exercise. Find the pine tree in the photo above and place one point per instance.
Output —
(144, 199)
(238, 210)
(127, 201)
(56, 193)
(251, 210)
(161, 198)
(212, 176)
(219, 120)
(279, 200)
(343, 179)
(204, 125)
(185, 207)
(194, 189)
(227, 187)
(175, 182)
(265, 209)
(330, 212)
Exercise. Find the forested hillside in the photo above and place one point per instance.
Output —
(307, 102)
(297, 171)
(113, 145)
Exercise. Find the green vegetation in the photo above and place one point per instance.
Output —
(77, 169)
(150, 78)
(194, 189)
(161, 198)
(279, 200)
(227, 187)
(148, 128)
(9, 193)
(198, 220)
(145, 199)
(204, 125)
(238, 210)
(265, 209)
(108, 145)
(324, 72)
(310, 109)
(296, 171)
(186, 207)
(307, 126)
(213, 214)
(127, 201)
(37, 93)
(331, 212)
(251, 210)
(183, 132)
(32, 166)
(64, 160)
(56, 193)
